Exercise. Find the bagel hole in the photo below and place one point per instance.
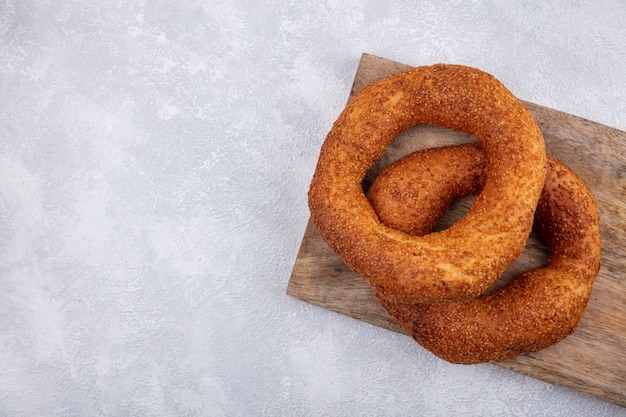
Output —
(535, 254)
(455, 212)
(414, 139)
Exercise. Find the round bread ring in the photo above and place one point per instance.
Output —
(465, 259)
(537, 309)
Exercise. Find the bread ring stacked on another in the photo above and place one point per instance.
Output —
(537, 309)
(432, 283)
(465, 259)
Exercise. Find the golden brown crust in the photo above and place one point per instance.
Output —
(540, 307)
(465, 259)
(421, 188)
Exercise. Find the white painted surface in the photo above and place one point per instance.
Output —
(154, 163)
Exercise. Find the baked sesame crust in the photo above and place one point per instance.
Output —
(536, 310)
(461, 261)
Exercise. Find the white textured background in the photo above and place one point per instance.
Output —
(154, 162)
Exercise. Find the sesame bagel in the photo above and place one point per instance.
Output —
(456, 263)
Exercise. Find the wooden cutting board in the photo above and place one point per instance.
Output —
(593, 359)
